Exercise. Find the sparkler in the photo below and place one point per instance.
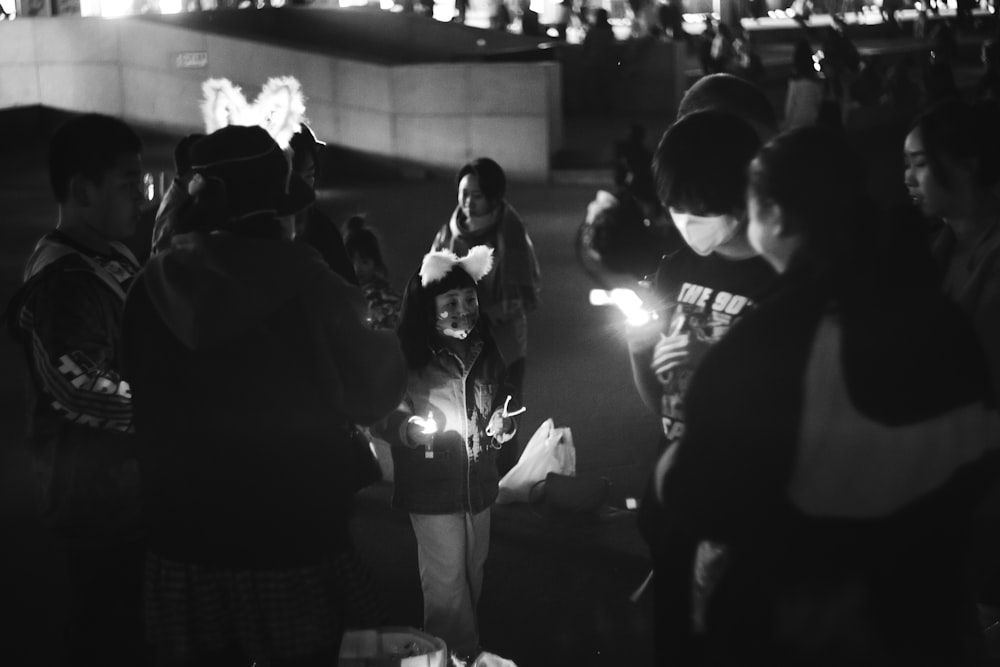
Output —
(505, 413)
(427, 426)
(627, 301)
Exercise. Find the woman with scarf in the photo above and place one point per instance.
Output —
(506, 296)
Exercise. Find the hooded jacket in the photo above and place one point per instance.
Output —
(249, 361)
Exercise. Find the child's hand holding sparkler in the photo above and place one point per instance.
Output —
(501, 423)
(420, 432)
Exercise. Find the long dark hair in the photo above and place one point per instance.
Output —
(829, 208)
(416, 330)
(492, 180)
(953, 129)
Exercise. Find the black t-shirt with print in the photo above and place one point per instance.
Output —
(703, 297)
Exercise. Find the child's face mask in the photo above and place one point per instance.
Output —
(705, 233)
(456, 312)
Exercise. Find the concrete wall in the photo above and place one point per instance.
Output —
(437, 114)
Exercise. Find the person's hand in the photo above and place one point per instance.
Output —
(500, 425)
(642, 337)
(417, 434)
(673, 351)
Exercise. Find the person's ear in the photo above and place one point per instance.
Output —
(775, 217)
(81, 190)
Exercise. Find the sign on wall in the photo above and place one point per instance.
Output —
(191, 60)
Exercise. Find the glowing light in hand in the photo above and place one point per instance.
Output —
(627, 301)
(427, 426)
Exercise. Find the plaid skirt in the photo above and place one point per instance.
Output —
(194, 609)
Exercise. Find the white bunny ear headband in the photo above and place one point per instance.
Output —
(279, 108)
(439, 263)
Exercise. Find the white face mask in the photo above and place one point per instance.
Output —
(705, 233)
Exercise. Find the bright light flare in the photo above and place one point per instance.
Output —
(170, 6)
(627, 301)
(111, 9)
(427, 426)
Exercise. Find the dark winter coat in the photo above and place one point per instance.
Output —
(249, 360)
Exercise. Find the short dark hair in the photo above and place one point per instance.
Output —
(89, 145)
(693, 177)
(492, 180)
(727, 92)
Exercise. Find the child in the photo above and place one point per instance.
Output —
(363, 249)
(445, 436)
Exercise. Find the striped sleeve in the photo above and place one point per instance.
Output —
(71, 323)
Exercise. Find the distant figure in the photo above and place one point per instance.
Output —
(944, 44)
(563, 13)
(988, 86)
(704, 43)
(805, 89)
(600, 62)
(633, 170)
(671, 18)
(461, 7)
(723, 52)
(920, 24)
(312, 225)
(866, 90)
(641, 11)
(363, 248)
(939, 79)
(747, 62)
(905, 93)
(889, 10)
(501, 18)
(530, 24)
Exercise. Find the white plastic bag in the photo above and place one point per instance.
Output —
(549, 450)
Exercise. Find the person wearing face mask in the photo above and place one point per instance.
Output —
(445, 436)
(484, 217)
(703, 288)
(818, 509)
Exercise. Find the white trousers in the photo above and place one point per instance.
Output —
(451, 552)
